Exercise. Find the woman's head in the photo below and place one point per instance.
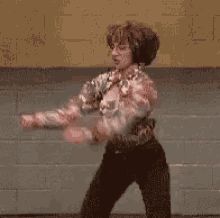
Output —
(132, 42)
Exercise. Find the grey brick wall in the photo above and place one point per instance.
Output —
(40, 173)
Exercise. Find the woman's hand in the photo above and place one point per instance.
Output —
(77, 135)
(27, 121)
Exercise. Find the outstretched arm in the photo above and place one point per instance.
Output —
(86, 102)
(57, 118)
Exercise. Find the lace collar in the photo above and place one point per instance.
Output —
(115, 76)
(130, 73)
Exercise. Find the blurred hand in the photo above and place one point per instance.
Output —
(27, 121)
(75, 135)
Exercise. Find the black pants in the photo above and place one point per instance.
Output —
(146, 165)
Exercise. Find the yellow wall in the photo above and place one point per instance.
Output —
(71, 32)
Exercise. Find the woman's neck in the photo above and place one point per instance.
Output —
(127, 69)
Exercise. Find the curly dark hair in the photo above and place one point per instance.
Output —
(143, 41)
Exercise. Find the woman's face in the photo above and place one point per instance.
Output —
(121, 55)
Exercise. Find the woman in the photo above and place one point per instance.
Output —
(125, 97)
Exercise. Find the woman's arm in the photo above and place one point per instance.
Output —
(57, 118)
(87, 101)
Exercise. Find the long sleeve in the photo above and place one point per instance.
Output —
(87, 101)
(136, 100)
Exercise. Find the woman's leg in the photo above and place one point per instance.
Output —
(109, 183)
(154, 183)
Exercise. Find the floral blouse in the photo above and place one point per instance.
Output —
(123, 100)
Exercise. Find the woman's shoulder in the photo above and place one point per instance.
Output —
(99, 80)
(102, 75)
(107, 76)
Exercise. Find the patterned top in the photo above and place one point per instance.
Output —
(123, 100)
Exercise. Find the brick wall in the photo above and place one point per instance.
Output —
(71, 32)
(40, 173)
